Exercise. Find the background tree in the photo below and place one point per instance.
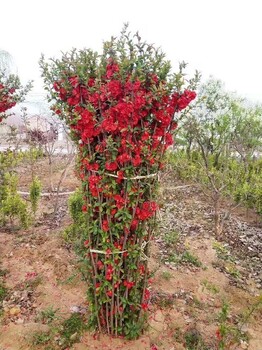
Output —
(219, 138)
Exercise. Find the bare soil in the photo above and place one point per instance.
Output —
(40, 271)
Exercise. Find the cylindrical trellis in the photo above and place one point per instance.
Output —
(123, 211)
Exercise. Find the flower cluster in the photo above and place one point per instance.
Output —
(129, 113)
(6, 99)
(11, 92)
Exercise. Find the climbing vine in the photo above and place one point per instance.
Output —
(120, 108)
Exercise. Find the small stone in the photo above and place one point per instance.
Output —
(5, 303)
(73, 336)
(19, 321)
(244, 345)
(75, 309)
(14, 311)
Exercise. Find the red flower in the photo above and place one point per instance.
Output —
(141, 269)
(109, 273)
(134, 224)
(144, 306)
(86, 243)
(91, 82)
(109, 125)
(120, 201)
(182, 101)
(129, 284)
(145, 136)
(114, 89)
(123, 158)
(84, 208)
(105, 226)
(113, 212)
(147, 294)
(100, 265)
(148, 209)
(56, 86)
(90, 166)
(97, 287)
(111, 166)
(109, 276)
(74, 81)
(118, 245)
(137, 160)
(111, 69)
(109, 293)
(93, 182)
(108, 251)
(120, 176)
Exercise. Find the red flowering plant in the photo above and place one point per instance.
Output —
(120, 108)
(11, 92)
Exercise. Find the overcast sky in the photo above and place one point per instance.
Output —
(218, 37)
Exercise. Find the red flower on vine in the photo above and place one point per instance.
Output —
(129, 284)
(105, 226)
(111, 69)
(120, 201)
(111, 166)
(86, 243)
(109, 293)
(144, 306)
(100, 265)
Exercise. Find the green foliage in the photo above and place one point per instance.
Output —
(228, 334)
(32, 283)
(72, 328)
(3, 289)
(219, 145)
(171, 238)
(35, 193)
(72, 234)
(48, 315)
(12, 205)
(166, 275)
(41, 338)
(211, 287)
(3, 292)
(75, 203)
(185, 258)
(11, 91)
(222, 251)
(188, 257)
(194, 340)
(242, 183)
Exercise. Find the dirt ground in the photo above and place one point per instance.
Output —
(195, 275)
